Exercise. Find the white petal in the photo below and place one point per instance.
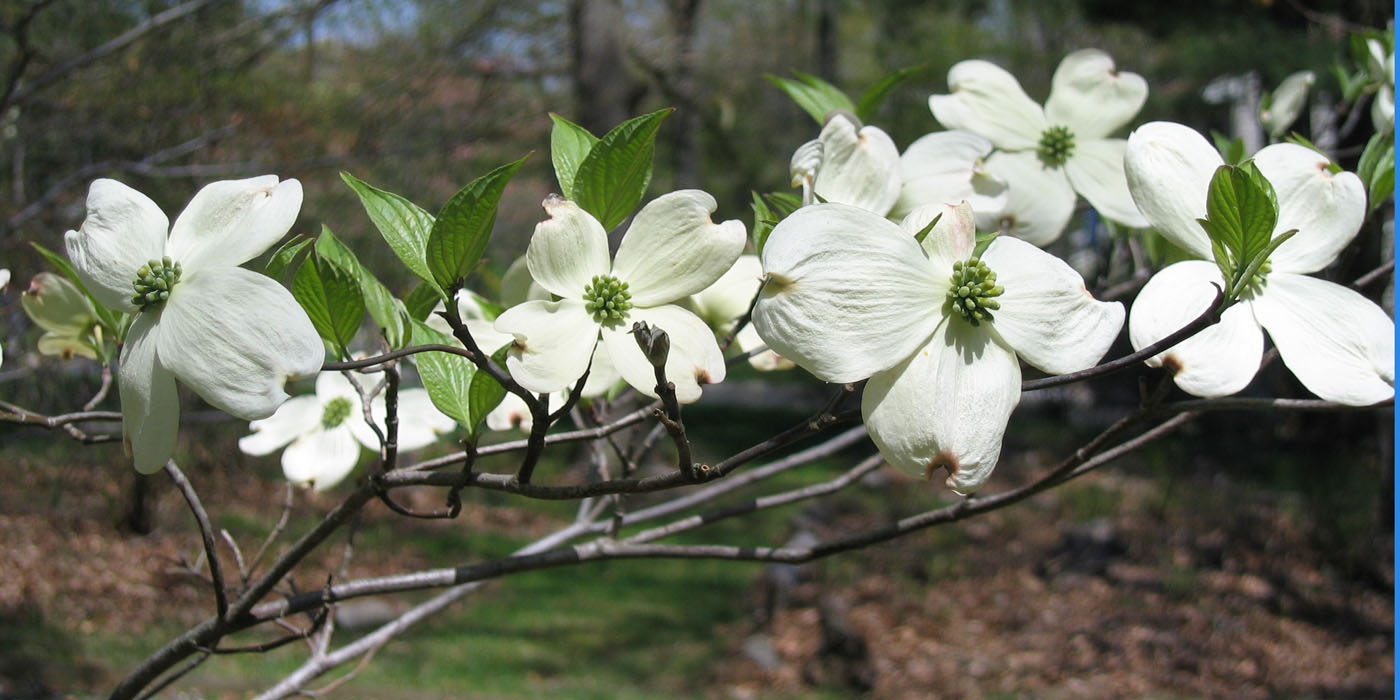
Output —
(946, 167)
(553, 341)
(765, 361)
(1287, 103)
(849, 292)
(952, 238)
(1326, 208)
(602, 375)
(150, 405)
(1218, 361)
(694, 359)
(1383, 108)
(672, 249)
(1169, 167)
(510, 414)
(231, 222)
(420, 423)
(235, 337)
(123, 230)
(987, 100)
(723, 302)
(1047, 316)
(1096, 172)
(321, 459)
(298, 416)
(567, 249)
(946, 407)
(1339, 344)
(1040, 199)
(1092, 98)
(859, 169)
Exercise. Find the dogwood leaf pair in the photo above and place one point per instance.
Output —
(937, 331)
(1339, 344)
(232, 335)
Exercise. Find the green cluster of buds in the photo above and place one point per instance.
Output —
(1056, 146)
(154, 280)
(335, 413)
(973, 287)
(607, 299)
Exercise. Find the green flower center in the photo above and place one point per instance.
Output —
(1257, 282)
(973, 291)
(1056, 146)
(607, 299)
(154, 280)
(336, 411)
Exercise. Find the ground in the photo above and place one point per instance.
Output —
(1126, 583)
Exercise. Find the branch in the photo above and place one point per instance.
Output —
(1209, 317)
(206, 531)
(93, 55)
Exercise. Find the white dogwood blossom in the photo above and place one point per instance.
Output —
(936, 329)
(1339, 344)
(323, 432)
(1048, 154)
(232, 335)
(4, 281)
(859, 168)
(671, 250)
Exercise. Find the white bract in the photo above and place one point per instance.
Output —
(1339, 344)
(323, 432)
(671, 250)
(232, 335)
(4, 281)
(1048, 154)
(859, 168)
(722, 304)
(938, 332)
(947, 167)
(1383, 69)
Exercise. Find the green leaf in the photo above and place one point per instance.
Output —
(815, 96)
(332, 299)
(763, 222)
(615, 173)
(285, 255)
(447, 377)
(870, 102)
(463, 227)
(484, 393)
(1377, 167)
(785, 203)
(1241, 210)
(923, 232)
(110, 319)
(388, 313)
(421, 301)
(983, 242)
(569, 144)
(1231, 150)
(403, 224)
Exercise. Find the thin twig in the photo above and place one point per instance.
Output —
(206, 531)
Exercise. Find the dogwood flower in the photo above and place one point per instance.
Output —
(671, 250)
(232, 335)
(1339, 344)
(69, 321)
(512, 411)
(1048, 154)
(859, 168)
(721, 305)
(1382, 67)
(323, 432)
(947, 167)
(937, 330)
